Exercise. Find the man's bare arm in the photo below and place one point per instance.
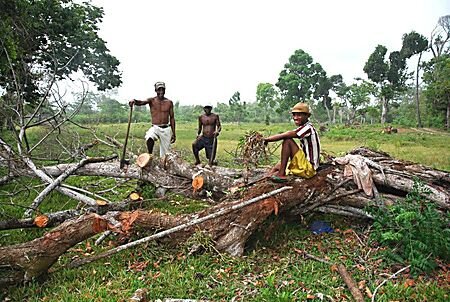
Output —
(277, 137)
(172, 123)
(218, 125)
(139, 102)
(200, 126)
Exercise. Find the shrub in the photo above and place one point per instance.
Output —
(414, 230)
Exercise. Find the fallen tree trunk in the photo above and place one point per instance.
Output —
(328, 191)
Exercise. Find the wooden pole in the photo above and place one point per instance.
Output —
(122, 160)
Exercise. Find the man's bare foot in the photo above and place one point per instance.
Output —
(278, 178)
(197, 163)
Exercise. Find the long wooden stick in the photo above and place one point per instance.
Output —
(213, 152)
(220, 212)
(122, 160)
(386, 280)
(356, 293)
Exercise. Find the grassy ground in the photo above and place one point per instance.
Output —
(273, 268)
(428, 147)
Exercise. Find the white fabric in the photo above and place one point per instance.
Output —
(356, 166)
(163, 135)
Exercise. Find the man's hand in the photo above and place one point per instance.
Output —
(132, 102)
(173, 139)
(216, 133)
(265, 141)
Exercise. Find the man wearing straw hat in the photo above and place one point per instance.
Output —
(304, 160)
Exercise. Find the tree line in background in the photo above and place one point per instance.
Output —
(42, 42)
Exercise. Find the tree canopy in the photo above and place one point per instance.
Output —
(299, 79)
(44, 41)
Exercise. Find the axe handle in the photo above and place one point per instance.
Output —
(122, 160)
(213, 152)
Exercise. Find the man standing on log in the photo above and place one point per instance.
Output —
(304, 160)
(163, 120)
(208, 129)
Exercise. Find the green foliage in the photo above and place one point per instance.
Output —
(52, 39)
(389, 75)
(413, 43)
(299, 79)
(414, 230)
(437, 80)
(267, 99)
(237, 107)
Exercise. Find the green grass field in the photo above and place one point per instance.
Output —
(272, 269)
(430, 148)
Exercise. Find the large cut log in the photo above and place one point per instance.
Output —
(25, 261)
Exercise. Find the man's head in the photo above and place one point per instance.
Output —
(160, 85)
(160, 88)
(300, 113)
(207, 108)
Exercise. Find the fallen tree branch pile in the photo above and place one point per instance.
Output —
(329, 191)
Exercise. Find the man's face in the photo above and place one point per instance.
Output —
(160, 92)
(207, 110)
(299, 118)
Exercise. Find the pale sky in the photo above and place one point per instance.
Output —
(206, 50)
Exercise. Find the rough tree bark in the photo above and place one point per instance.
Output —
(328, 191)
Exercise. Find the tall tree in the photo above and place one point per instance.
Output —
(389, 76)
(299, 79)
(323, 89)
(413, 44)
(358, 97)
(440, 36)
(436, 69)
(237, 107)
(437, 79)
(266, 98)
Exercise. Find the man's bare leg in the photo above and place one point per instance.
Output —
(288, 149)
(150, 144)
(195, 151)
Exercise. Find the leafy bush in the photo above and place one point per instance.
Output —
(414, 230)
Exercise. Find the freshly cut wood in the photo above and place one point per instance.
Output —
(101, 202)
(41, 221)
(197, 183)
(143, 160)
(135, 196)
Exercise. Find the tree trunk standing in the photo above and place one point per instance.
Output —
(419, 121)
(384, 109)
(327, 109)
(447, 117)
(329, 191)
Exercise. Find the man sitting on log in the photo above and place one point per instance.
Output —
(208, 129)
(304, 160)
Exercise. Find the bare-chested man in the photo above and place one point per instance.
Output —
(163, 120)
(208, 129)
